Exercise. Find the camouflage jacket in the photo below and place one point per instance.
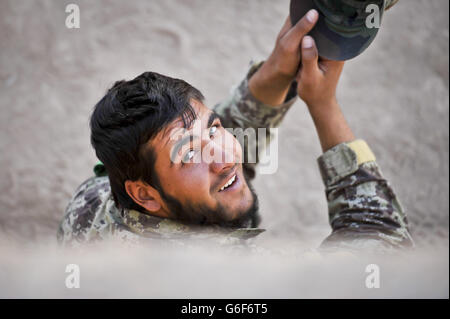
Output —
(363, 209)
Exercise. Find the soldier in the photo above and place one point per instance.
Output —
(150, 185)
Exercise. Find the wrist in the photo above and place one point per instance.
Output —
(268, 75)
(269, 86)
(331, 126)
(324, 107)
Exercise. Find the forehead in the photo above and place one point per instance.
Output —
(163, 139)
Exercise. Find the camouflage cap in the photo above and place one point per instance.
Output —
(341, 32)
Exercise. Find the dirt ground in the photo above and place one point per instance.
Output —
(395, 96)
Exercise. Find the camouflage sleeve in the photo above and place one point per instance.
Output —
(242, 111)
(364, 212)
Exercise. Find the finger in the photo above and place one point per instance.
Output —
(302, 27)
(287, 25)
(310, 57)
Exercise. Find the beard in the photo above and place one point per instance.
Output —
(198, 214)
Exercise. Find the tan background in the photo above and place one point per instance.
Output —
(395, 96)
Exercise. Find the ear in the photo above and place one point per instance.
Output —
(144, 195)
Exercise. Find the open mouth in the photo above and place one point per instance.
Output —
(230, 183)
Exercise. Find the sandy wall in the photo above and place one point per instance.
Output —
(395, 96)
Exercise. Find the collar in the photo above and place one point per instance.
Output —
(150, 226)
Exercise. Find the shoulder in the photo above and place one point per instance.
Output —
(83, 208)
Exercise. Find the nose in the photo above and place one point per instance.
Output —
(222, 157)
(221, 168)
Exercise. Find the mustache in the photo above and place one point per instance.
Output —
(222, 178)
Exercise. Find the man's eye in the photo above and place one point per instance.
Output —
(212, 130)
(189, 155)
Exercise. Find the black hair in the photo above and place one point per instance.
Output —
(128, 116)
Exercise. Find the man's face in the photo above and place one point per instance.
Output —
(200, 171)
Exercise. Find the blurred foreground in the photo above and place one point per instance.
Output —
(114, 271)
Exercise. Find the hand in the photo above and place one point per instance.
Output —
(285, 58)
(317, 81)
(318, 77)
(271, 82)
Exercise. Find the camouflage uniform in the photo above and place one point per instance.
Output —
(363, 209)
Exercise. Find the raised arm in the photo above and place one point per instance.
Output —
(262, 99)
(364, 212)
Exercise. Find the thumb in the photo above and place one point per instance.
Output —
(310, 56)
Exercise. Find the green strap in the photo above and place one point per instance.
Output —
(100, 170)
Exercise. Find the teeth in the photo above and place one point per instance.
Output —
(229, 183)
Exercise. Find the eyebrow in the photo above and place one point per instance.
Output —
(190, 138)
(212, 117)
